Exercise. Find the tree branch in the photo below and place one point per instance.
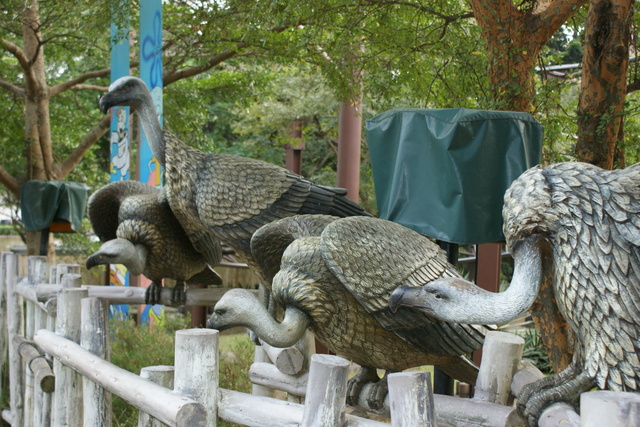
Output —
(65, 167)
(193, 71)
(552, 14)
(9, 181)
(16, 51)
(423, 8)
(69, 84)
(10, 87)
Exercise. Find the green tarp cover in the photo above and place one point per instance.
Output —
(443, 172)
(42, 202)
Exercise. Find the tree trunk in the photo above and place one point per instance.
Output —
(604, 83)
(37, 126)
(515, 34)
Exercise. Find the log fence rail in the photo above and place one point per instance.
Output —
(65, 325)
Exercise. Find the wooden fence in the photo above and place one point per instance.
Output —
(56, 338)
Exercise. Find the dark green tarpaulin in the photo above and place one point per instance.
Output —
(443, 172)
(42, 202)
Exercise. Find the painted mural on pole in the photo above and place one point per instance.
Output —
(150, 170)
(120, 164)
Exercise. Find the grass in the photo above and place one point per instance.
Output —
(134, 347)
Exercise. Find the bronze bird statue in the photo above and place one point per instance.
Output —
(220, 196)
(590, 218)
(140, 232)
(336, 277)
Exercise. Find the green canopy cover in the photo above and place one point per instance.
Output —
(443, 172)
(43, 202)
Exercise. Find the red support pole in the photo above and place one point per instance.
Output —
(293, 154)
(349, 137)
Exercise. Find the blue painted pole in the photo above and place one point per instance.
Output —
(150, 170)
(120, 157)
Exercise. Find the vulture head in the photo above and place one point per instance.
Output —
(133, 92)
(453, 299)
(120, 251)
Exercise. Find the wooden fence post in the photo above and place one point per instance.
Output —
(411, 399)
(14, 327)
(501, 354)
(37, 272)
(3, 320)
(196, 370)
(161, 375)
(67, 406)
(326, 392)
(64, 269)
(610, 408)
(94, 337)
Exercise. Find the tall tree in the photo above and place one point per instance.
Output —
(59, 52)
(604, 83)
(515, 35)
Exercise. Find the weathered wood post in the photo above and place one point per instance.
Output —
(411, 399)
(610, 408)
(64, 269)
(14, 327)
(196, 368)
(164, 404)
(94, 336)
(288, 360)
(501, 354)
(3, 320)
(67, 406)
(161, 375)
(326, 392)
(37, 272)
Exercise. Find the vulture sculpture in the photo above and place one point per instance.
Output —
(221, 197)
(590, 218)
(336, 276)
(140, 232)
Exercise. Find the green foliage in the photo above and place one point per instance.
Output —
(134, 347)
(535, 352)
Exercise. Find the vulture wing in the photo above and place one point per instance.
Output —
(372, 257)
(103, 207)
(598, 239)
(270, 241)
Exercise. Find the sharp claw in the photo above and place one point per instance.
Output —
(355, 384)
(179, 294)
(152, 294)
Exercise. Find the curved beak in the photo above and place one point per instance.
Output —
(91, 262)
(401, 296)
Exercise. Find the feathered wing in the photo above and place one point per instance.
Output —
(232, 197)
(270, 241)
(103, 207)
(598, 266)
(372, 257)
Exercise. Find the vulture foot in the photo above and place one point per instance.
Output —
(152, 294)
(378, 393)
(355, 384)
(566, 387)
(179, 294)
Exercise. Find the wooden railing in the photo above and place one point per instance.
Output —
(65, 325)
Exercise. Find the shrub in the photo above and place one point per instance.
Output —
(136, 346)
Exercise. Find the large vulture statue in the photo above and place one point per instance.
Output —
(336, 276)
(590, 218)
(139, 231)
(220, 197)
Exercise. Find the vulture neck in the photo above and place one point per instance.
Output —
(151, 125)
(283, 334)
(483, 307)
